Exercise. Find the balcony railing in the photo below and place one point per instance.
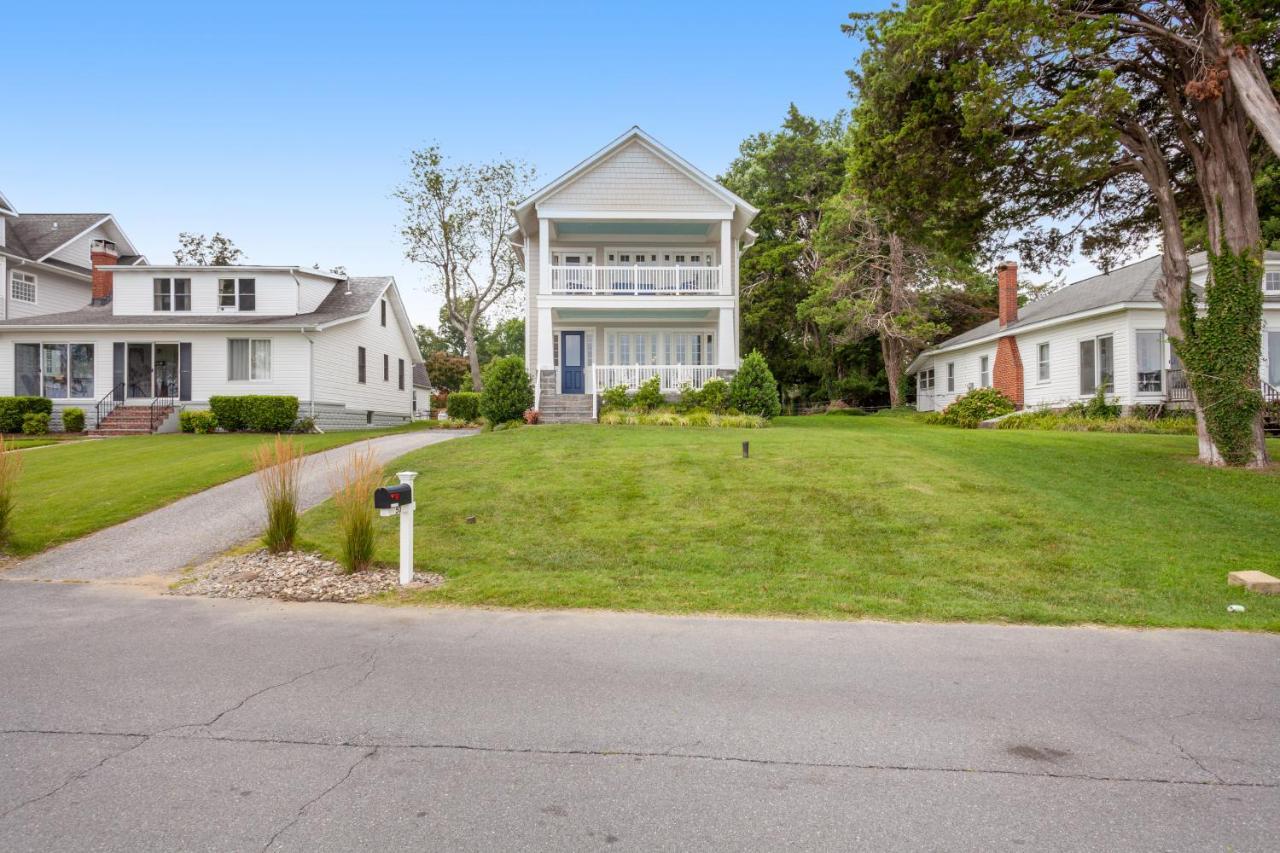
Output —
(671, 377)
(634, 281)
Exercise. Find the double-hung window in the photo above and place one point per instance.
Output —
(248, 359)
(237, 294)
(360, 364)
(1271, 283)
(1042, 362)
(55, 370)
(1097, 364)
(22, 287)
(926, 379)
(984, 371)
(1149, 357)
(951, 376)
(171, 294)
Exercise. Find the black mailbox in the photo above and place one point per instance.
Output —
(390, 497)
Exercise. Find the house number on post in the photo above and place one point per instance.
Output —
(398, 500)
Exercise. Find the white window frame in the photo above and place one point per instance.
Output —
(253, 345)
(664, 256)
(984, 371)
(1097, 364)
(40, 366)
(558, 253)
(1163, 361)
(239, 295)
(1044, 369)
(172, 293)
(609, 356)
(951, 377)
(28, 278)
(1271, 282)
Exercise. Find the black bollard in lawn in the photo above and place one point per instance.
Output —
(746, 449)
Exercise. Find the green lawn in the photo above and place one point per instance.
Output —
(69, 491)
(842, 517)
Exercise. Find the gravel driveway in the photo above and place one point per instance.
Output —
(202, 525)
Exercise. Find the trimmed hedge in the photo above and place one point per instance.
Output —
(12, 410)
(73, 419)
(255, 412)
(464, 406)
(35, 423)
(507, 390)
(197, 421)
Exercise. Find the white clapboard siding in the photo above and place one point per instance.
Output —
(336, 364)
(54, 293)
(276, 292)
(1064, 340)
(634, 178)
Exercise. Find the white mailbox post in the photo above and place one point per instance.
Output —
(406, 530)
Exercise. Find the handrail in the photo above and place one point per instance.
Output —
(108, 400)
(155, 401)
(634, 280)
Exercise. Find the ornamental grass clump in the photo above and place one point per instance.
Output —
(279, 467)
(353, 488)
(10, 468)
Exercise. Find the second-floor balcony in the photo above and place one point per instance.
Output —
(635, 280)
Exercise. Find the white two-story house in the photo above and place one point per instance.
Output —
(632, 268)
(155, 339)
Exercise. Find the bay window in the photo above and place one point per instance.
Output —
(248, 359)
(1149, 358)
(55, 370)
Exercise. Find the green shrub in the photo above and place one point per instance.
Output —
(35, 423)
(200, 421)
(668, 417)
(229, 412)
(506, 425)
(690, 398)
(714, 395)
(648, 395)
(464, 406)
(12, 410)
(255, 412)
(1174, 424)
(305, 425)
(699, 418)
(753, 390)
(615, 398)
(73, 419)
(973, 408)
(507, 390)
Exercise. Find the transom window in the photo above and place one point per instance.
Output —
(248, 359)
(22, 287)
(237, 294)
(171, 294)
(55, 370)
(1097, 364)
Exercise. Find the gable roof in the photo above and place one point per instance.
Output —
(1127, 285)
(6, 206)
(525, 211)
(36, 236)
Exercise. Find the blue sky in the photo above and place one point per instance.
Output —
(286, 126)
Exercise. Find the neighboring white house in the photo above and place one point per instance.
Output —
(1105, 330)
(632, 262)
(163, 338)
(45, 262)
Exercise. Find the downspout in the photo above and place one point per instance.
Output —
(311, 377)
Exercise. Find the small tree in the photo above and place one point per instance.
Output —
(754, 390)
(507, 391)
(455, 221)
(446, 371)
(215, 251)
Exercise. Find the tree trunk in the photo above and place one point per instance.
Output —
(891, 352)
(892, 347)
(1256, 97)
(473, 357)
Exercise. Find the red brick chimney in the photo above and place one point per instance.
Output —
(1007, 287)
(1007, 375)
(102, 253)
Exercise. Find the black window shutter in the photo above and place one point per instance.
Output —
(384, 312)
(360, 360)
(184, 371)
(402, 374)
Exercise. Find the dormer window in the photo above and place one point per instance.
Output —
(171, 294)
(237, 294)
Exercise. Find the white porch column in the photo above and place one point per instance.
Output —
(544, 255)
(726, 341)
(726, 256)
(546, 356)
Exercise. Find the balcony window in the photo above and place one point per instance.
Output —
(1149, 357)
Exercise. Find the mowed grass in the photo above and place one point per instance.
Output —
(69, 491)
(841, 517)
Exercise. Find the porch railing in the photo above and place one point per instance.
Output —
(107, 403)
(671, 377)
(634, 280)
(1178, 391)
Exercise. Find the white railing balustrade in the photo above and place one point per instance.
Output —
(634, 281)
(672, 377)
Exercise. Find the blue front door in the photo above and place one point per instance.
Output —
(571, 374)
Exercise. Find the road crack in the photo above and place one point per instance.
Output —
(318, 797)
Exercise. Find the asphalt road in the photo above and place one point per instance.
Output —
(140, 722)
(201, 526)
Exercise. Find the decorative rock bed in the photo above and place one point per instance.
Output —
(293, 576)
